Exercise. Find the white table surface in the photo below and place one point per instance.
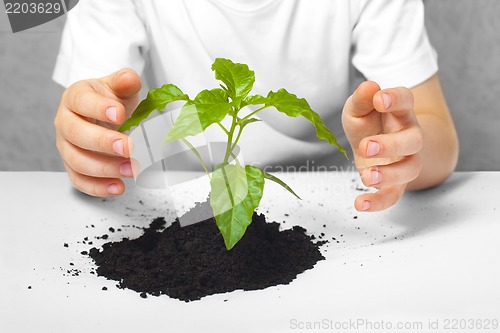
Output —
(432, 257)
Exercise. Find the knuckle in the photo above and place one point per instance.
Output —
(79, 181)
(59, 146)
(406, 96)
(78, 101)
(418, 140)
(71, 93)
(79, 184)
(71, 132)
(98, 166)
(103, 144)
(57, 121)
(402, 98)
(389, 148)
(103, 169)
(74, 164)
(66, 93)
(396, 177)
(108, 170)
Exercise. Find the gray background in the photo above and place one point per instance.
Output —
(465, 34)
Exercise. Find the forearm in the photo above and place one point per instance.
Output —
(439, 154)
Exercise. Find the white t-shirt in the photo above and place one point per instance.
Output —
(304, 46)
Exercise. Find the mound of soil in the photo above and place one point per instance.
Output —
(188, 263)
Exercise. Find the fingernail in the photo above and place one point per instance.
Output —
(126, 169)
(113, 189)
(375, 177)
(366, 205)
(118, 147)
(387, 100)
(373, 148)
(111, 113)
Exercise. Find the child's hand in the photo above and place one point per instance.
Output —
(95, 155)
(386, 140)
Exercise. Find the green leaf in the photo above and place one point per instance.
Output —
(228, 187)
(249, 121)
(322, 132)
(255, 181)
(280, 182)
(287, 103)
(208, 107)
(157, 99)
(235, 194)
(254, 100)
(238, 78)
(293, 106)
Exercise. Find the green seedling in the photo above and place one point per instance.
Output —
(236, 190)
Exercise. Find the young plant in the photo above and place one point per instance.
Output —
(236, 190)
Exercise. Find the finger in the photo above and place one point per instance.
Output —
(398, 99)
(383, 199)
(359, 117)
(124, 83)
(101, 187)
(94, 164)
(406, 142)
(93, 137)
(397, 173)
(82, 98)
(360, 103)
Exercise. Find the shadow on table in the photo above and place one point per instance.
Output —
(428, 210)
(137, 206)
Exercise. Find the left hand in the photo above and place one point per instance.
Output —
(386, 140)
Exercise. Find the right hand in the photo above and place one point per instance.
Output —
(95, 155)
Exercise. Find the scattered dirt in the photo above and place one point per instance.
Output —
(188, 263)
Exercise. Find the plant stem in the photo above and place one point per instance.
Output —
(237, 122)
(230, 134)
(235, 158)
(223, 128)
(195, 151)
(251, 114)
(237, 137)
(228, 187)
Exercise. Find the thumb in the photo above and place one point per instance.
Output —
(358, 117)
(124, 84)
(361, 101)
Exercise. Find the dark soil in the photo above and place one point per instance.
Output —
(188, 263)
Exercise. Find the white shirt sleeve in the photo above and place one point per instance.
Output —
(99, 38)
(390, 43)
